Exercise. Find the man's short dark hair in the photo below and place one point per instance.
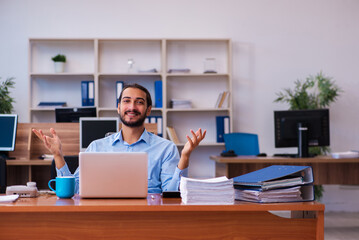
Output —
(142, 88)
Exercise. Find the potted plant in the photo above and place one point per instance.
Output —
(59, 61)
(315, 92)
(5, 100)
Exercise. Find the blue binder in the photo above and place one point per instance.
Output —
(159, 126)
(260, 177)
(158, 94)
(276, 183)
(223, 127)
(119, 87)
(88, 93)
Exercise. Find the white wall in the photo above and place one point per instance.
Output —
(275, 42)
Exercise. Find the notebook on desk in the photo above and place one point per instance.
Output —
(113, 175)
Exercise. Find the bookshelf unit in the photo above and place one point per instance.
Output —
(106, 61)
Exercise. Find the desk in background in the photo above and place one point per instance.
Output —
(27, 167)
(47, 217)
(326, 170)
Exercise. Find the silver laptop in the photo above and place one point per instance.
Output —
(113, 175)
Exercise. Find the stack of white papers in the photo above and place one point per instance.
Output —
(8, 198)
(207, 191)
(292, 194)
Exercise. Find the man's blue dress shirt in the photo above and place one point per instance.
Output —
(163, 157)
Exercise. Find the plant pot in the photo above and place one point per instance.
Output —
(59, 67)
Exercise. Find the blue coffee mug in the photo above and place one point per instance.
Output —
(65, 186)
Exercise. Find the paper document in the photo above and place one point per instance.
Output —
(348, 154)
(9, 198)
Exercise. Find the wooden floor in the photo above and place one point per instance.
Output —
(341, 226)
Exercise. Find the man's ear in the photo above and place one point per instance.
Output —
(118, 108)
(148, 111)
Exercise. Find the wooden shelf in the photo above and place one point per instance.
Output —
(204, 144)
(197, 109)
(60, 74)
(128, 74)
(31, 162)
(197, 75)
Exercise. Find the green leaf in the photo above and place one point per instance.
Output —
(6, 100)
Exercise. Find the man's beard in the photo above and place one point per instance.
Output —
(137, 123)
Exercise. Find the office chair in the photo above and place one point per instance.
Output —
(3, 179)
(242, 143)
(72, 163)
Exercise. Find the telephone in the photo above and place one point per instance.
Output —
(28, 190)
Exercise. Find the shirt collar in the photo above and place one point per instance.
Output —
(145, 137)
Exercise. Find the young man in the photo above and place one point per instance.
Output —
(165, 165)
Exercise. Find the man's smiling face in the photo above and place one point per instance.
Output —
(133, 108)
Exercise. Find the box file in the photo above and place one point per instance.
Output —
(276, 183)
(87, 93)
(159, 126)
(119, 87)
(223, 127)
(158, 94)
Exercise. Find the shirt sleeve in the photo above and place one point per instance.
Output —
(170, 173)
(173, 185)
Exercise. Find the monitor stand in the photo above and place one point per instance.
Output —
(5, 155)
(303, 141)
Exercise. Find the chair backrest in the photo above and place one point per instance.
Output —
(72, 163)
(2, 175)
(242, 143)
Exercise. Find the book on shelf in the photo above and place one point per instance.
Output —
(276, 183)
(223, 100)
(151, 70)
(51, 104)
(207, 191)
(172, 135)
(179, 70)
(218, 100)
(181, 103)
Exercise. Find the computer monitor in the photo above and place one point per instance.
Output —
(95, 128)
(302, 129)
(8, 125)
(74, 114)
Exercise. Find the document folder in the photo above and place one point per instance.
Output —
(158, 94)
(222, 123)
(292, 194)
(87, 93)
(276, 183)
(119, 87)
(276, 176)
